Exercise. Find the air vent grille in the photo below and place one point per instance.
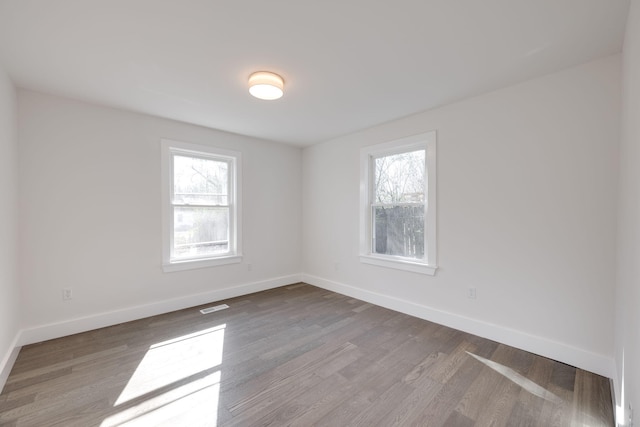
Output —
(212, 309)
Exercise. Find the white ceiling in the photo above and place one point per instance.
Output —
(347, 64)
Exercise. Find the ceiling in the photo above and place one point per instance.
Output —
(347, 64)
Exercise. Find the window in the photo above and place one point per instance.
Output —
(201, 206)
(398, 212)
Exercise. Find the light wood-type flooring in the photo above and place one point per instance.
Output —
(295, 355)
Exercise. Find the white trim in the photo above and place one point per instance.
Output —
(426, 141)
(583, 359)
(619, 396)
(399, 264)
(431, 234)
(200, 263)
(615, 391)
(73, 326)
(168, 149)
(8, 360)
(574, 356)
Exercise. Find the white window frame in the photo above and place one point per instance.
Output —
(426, 141)
(171, 148)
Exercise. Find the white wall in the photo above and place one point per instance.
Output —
(90, 217)
(627, 352)
(9, 292)
(526, 214)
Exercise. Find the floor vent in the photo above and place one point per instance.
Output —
(212, 309)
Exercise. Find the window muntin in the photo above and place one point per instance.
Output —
(397, 204)
(202, 206)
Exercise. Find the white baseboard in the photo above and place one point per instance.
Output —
(574, 356)
(8, 360)
(583, 359)
(82, 324)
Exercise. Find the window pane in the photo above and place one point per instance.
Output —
(200, 181)
(200, 231)
(399, 178)
(399, 231)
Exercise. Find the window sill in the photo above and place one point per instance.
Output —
(200, 263)
(399, 264)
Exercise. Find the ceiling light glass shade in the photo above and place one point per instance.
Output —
(266, 85)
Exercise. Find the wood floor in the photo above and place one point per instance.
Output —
(296, 355)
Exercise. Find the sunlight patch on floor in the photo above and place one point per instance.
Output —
(170, 361)
(171, 382)
(192, 404)
(521, 380)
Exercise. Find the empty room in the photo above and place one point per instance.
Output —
(359, 213)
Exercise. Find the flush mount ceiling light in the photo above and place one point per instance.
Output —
(266, 85)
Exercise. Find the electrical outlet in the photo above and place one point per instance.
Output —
(471, 293)
(67, 294)
(249, 267)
